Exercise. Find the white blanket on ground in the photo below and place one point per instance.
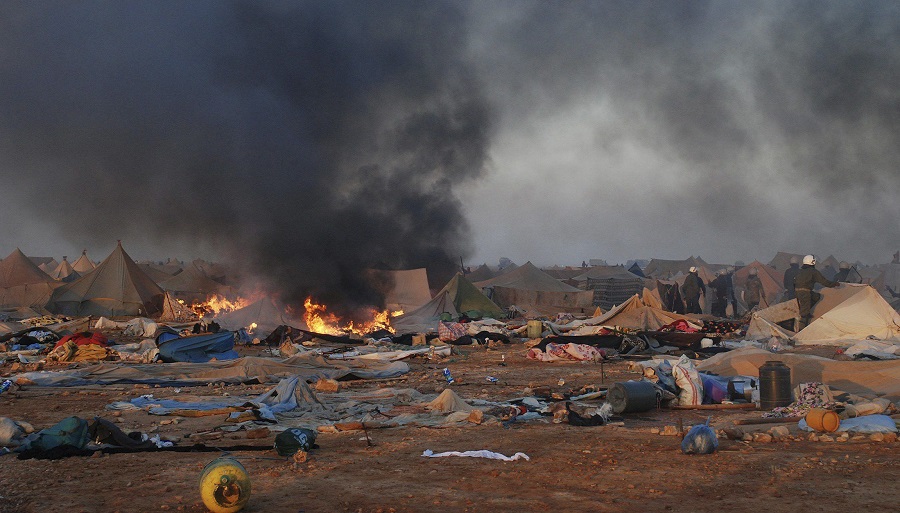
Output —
(476, 454)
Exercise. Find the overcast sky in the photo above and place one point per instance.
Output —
(550, 131)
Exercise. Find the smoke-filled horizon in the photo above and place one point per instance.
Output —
(307, 141)
(303, 141)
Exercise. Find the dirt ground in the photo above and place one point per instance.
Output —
(606, 468)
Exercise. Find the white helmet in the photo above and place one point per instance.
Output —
(845, 265)
(753, 271)
(794, 260)
(809, 260)
(692, 269)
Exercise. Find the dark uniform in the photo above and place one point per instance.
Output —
(691, 289)
(804, 283)
(721, 286)
(789, 276)
(754, 291)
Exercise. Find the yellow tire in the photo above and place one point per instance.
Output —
(224, 485)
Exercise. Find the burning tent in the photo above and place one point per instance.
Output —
(403, 290)
(260, 317)
(192, 285)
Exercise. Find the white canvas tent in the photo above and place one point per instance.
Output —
(862, 316)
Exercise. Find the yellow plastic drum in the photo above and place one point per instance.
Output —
(821, 419)
(224, 485)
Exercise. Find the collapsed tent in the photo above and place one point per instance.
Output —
(863, 378)
(260, 318)
(632, 314)
(403, 290)
(531, 289)
(116, 287)
(175, 311)
(457, 296)
(243, 370)
(196, 348)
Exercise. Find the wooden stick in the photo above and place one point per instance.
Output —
(748, 406)
(782, 420)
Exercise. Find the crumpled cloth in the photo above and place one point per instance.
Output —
(570, 351)
(680, 325)
(477, 454)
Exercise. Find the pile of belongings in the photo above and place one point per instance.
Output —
(81, 347)
(74, 436)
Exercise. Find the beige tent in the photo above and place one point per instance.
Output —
(403, 290)
(458, 295)
(16, 269)
(863, 315)
(65, 272)
(772, 281)
(192, 284)
(116, 287)
(610, 284)
(33, 295)
(23, 284)
(482, 273)
(83, 265)
(634, 314)
(534, 290)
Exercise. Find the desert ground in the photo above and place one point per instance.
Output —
(626, 465)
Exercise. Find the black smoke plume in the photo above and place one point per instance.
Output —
(306, 141)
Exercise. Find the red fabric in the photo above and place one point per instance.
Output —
(84, 339)
(679, 325)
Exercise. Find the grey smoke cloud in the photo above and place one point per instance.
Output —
(742, 128)
(305, 140)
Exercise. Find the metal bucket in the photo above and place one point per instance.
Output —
(633, 397)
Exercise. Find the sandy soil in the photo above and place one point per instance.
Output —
(607, 468)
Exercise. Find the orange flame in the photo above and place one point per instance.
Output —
(216, 304)
(319, 321)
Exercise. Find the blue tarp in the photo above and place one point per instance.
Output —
(197, 348)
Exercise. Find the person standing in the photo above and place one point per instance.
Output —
(691, 289)
(720, 288)
(804, 283)
(845, 276)
(754, 290)
(789, 276)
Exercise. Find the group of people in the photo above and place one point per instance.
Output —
(799, 283)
